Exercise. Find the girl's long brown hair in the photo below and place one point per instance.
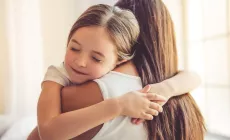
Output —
(156, 60)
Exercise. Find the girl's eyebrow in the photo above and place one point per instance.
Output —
(102, 55)
(75, 41)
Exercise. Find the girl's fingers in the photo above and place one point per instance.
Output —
(156, 106)
(145, 89)
(139, 121)
(159, 102)
(153, 96)
(133, 120)
(152, 112)
(147, 116)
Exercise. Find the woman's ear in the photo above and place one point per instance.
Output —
(121, 61)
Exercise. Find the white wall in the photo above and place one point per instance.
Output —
(25, 53)
(208, 54)
(56, 24)
(33, 36)
(4, 57)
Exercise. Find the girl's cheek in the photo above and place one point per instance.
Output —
(69, 57)
(97, 72)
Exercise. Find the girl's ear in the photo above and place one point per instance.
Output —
(120, 62)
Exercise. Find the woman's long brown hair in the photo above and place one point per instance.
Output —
(156, 60)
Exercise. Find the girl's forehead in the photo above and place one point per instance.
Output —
(94, 33)
(94, 38)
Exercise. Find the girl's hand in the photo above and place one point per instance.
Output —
(138, 121)
(135, 104)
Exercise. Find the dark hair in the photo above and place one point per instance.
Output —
(121, 26)
(155, 61)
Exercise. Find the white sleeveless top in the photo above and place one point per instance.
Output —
(113, 84)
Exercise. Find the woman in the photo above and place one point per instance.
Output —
(158, 38)
(181, 118)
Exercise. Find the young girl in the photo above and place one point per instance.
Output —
(101, 39)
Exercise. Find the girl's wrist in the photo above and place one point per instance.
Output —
(115, 106)
(163, 88)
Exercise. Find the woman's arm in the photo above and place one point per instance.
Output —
(74, 98)
(77, 97)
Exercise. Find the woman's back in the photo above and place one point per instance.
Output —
(156, 60)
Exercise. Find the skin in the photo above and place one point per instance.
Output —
(90, 54)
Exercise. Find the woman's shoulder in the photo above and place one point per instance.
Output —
(119, 76)
(128, 68)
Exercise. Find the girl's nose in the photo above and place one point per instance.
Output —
(81, 61)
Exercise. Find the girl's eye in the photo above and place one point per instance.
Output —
(96, 60)
(75, 50)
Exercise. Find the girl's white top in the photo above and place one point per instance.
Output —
(113, 84)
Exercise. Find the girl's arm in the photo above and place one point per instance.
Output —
(77, 97)
(72, 99)
(53, 125)
(179, 84)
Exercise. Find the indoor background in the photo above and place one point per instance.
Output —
(33, 35)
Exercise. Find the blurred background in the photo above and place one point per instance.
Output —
(33, 35)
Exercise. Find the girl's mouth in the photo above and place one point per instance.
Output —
(79, 72)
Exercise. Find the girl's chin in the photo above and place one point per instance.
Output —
(78, 81)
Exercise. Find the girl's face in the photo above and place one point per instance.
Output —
(90, 54)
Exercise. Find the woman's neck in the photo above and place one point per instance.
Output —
(127, 68)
